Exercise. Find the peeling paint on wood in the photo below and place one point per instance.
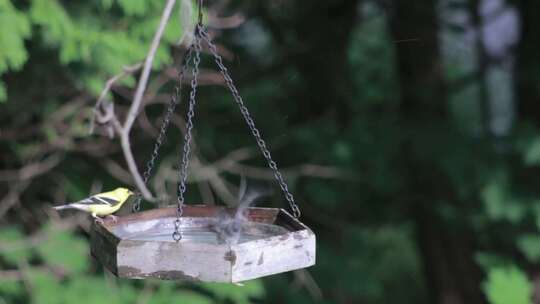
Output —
(128, 271)
(133, 272)
(172, 275)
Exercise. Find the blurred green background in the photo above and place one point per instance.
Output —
(407, 130)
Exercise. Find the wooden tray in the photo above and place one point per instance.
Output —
(140, 246)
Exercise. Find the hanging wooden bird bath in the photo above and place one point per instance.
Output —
(204, 243)
(140, 245)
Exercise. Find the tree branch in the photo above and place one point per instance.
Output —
(143, 80)
(30, 170)
(136, 104)
(109, 116)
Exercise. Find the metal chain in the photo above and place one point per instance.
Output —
(251, 124)
(175, 100)
(177, 236)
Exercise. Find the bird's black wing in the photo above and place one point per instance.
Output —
(99, 200)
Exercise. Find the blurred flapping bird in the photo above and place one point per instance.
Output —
(102, 204)
(228, 226)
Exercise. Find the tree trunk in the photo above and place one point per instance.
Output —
(319, 51)
(447, 254)
(414, 29)
(528, 62)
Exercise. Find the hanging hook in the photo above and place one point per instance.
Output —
(200, 12)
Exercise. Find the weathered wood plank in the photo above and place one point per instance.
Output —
(200, 261)
(177, 261)
(103, 247)
(264, 257)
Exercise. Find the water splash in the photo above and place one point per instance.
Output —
(229, 227)
(195, 229)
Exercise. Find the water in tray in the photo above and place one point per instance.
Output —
(195, 230)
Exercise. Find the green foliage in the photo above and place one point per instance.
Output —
(14, 29)
(507, 285)
(79, 289)
(500, 203)
(16, 251)
(385, 254)
(488, 260)
(3, 93)
(72, 261)
(134, 7)
(532, 152)
(46, 287)
(102, 49)
(166, 293)
(237, 294)
(10, 289)
(529, 244)
(93, 46)
(98, 291)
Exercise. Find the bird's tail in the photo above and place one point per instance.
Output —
(64, 207)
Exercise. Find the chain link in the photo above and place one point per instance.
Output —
(201, 34)
(175, 100)
(177, 236)
(251, 124)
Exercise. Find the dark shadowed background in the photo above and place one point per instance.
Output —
(408, 132)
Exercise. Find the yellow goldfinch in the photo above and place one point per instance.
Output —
(102, 204)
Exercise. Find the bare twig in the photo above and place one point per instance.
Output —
(143, 80)
(42, 236)
(146, 125)
(303, 277)
(232, 21)
(210, 173)
(232, 163)
(222, 190)
(11, 275)
(206, 193)
(117, 171)
(186, 13)
(206, 76)
(31, 170)
(20, 179)
(21, 274)
(13, 196)
(101, 106)
(304, 170)
(136, 104)
(212, 176)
